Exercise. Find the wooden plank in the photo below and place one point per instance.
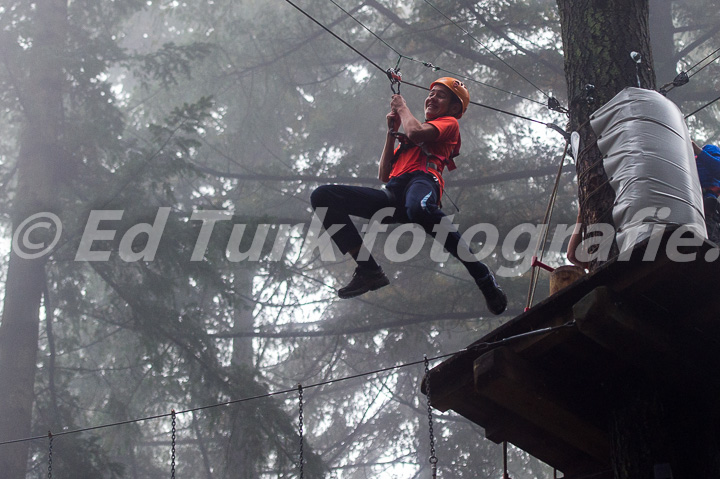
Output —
(668, 351)
(669, 325)
(503, 425)
(509, 380)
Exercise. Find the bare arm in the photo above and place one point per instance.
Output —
(575, 240)
(696, 149)
(415, 130)
(386, 159)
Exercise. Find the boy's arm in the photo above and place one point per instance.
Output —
(575, 240)
(417, 132)
(696, 149)
(388, 153)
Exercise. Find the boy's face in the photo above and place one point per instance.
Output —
(439, 102)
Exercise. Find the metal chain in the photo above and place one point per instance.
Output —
(172, 460)
(301, 462)
(433, 458)
(50, 452)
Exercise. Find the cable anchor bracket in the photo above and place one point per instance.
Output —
(554, 105)
(564, 133)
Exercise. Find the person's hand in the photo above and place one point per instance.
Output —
(696, 149)
(574, 259)
(393, 121)
(397, 103)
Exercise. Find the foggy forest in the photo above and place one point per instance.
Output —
(187, 291)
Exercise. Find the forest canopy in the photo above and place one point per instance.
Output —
(177, 144)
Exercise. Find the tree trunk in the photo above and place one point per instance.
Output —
(662, 33)
(655, 433)
(598, 38)
(245, 444)
(659, 434)
(39, 147)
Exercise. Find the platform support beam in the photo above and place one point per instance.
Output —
(658, 424)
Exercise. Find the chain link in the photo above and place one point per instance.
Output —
(50, 452)
(301, 462)
(433, 459)
(172, 459)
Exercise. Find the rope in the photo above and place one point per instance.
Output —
(467, 78)
(593, 192)
(384, 71)
(540, 246)
(702, 108)
(698, 63)
(682, 78)
(368, 29)
(473, 348)
(591, 166)
(336, 36)
(486, 48)
(426, 63)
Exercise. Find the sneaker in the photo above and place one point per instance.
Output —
(494, 296)
(364, 280)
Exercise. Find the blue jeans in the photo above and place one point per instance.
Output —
(415, 197)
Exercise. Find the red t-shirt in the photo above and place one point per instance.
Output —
(413, 159)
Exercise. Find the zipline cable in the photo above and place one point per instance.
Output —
(336, 36)
(499, 110)
(486, 48)
(708, 63)
(474, 347)
(428, 64)
(682, 78)
(702, 108)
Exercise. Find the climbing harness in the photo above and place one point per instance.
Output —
(301, 458)
(433, 458)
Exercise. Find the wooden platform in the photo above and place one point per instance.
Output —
(551, 393)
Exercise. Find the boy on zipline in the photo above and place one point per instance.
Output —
(414, 186)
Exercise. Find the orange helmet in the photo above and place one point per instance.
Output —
(458, 88)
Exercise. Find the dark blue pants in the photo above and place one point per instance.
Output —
(415, 197)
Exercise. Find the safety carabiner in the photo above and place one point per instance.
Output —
(395, 78)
